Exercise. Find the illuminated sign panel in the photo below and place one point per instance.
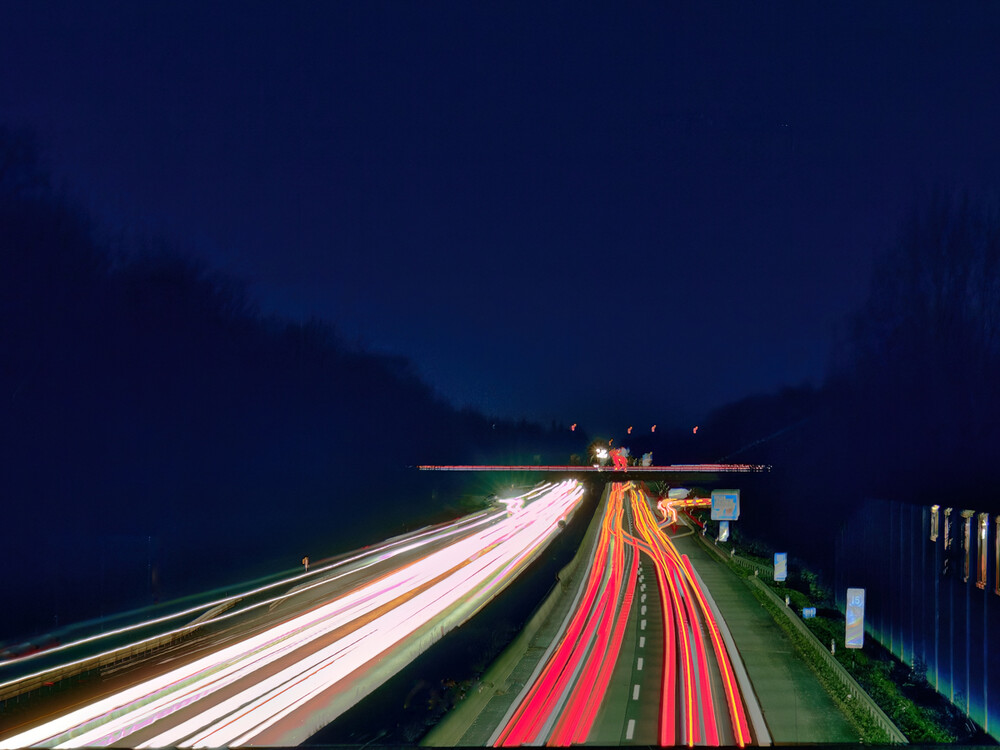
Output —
(966, 543)
(725, 505)
(935, 514)
(854, 636)
(996, 557)
(981, 548)
(947, 529)
(780, 566)
(723, 531)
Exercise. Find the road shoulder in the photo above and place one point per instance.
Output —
(796, 707)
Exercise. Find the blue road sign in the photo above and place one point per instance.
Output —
(725, 505)
(808, 612)
(855, 631)
(780, 566)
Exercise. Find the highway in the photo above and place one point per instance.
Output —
(701, 703)
(684, 667)
(314, 652)
(561, 704)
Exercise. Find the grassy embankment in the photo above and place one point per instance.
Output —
(888, 681)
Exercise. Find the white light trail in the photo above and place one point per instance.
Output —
(238, 704)
(385, 551)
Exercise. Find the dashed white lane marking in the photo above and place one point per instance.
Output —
(635, 692)
(643, 599)
(643, 610)
(638, 665)
(642, 641)
(642, 624)
(630, 730)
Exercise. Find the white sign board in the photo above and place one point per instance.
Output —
(780, 566)
(725, 505)
(855, 633)
(723, 531)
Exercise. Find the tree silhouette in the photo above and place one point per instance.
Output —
(924, 351)
(146, 399)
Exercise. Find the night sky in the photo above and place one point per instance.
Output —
(631, 212)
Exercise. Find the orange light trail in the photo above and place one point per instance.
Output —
(560, 706)
(681, 565)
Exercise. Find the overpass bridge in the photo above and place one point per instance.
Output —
(607, 474)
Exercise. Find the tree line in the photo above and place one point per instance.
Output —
(910, 409)
(145, 397)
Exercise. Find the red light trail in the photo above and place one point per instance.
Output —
(561, 705)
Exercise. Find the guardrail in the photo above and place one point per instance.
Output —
(878, 715)
(866, 701)
(762, 571)
(47, 678)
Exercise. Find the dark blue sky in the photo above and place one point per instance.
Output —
(613, 214)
